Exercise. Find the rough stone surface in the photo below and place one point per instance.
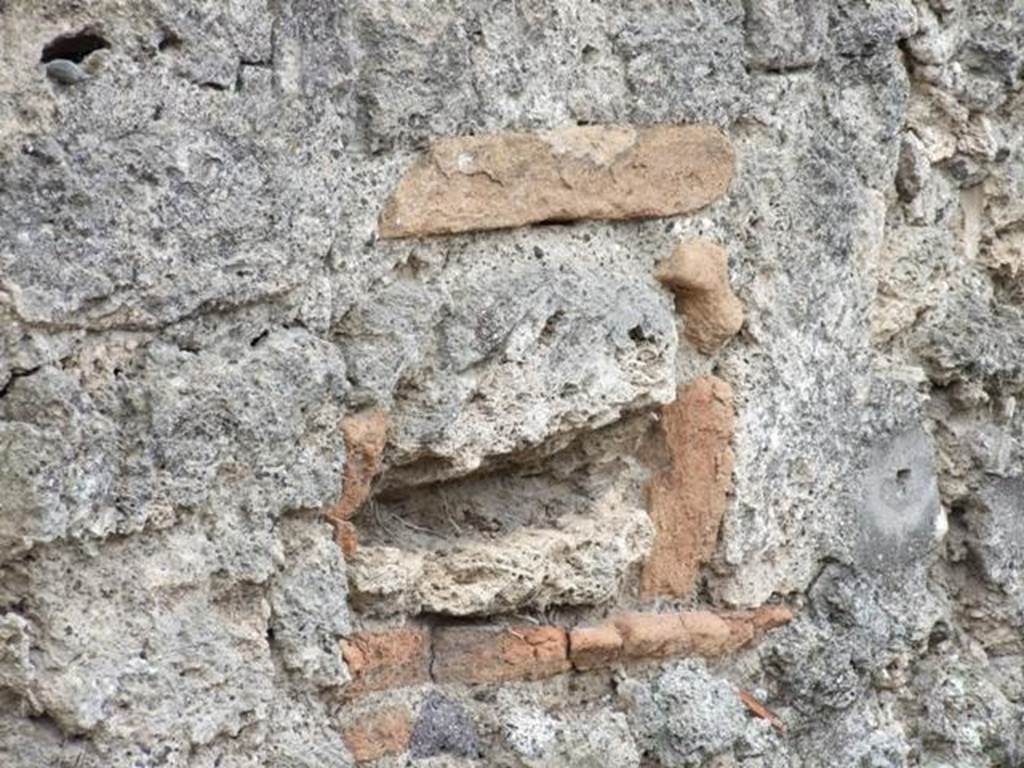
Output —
(194, 295)
(687, 717)
(698, 272)
(589, 737)
(688, 499)
(588, 172)
(584, 563)
(444, 727)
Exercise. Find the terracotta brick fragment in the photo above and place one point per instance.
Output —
(652, 635)
(379, 734)
(388, 659)
(687, 500)
(770, 616)
(760, 620)
(467, 183)
(365, 436)
(489, 654)
(698, 272)
(591, 647)
(710, 636)
(346, 537)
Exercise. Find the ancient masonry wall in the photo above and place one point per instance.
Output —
(507, 180)
(529, 384)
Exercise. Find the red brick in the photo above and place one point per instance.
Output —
(652, 635)
(379, 734)
(687, 500)
(709, 635)
(365, 436)
(757, 621)
(591, 647)
(488, 654)
(346, 537)
(389, 659)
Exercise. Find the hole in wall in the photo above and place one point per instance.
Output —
(902, 479)
(73, 47)
(169, 40)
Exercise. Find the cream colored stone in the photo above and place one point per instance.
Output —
(469, 183)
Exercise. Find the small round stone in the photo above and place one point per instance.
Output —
(65, 72)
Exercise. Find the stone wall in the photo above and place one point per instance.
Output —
(520, 384)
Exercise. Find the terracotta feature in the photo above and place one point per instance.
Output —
(591, 647)
(698, 272)
(388, 659)
(687, 500)
(469, 183)
(377, 735)
(491, 654)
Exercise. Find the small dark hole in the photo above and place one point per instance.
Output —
(902, 475)
(555, 221)
(256, 341)
(636, 333)
(168, 39)
(74, 47)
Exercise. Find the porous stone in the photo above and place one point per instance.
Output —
(577, 739)
(688, 499)
(194, 294)
(698, 272)
(308, 599)
(687, 717)
(587, 172)
(444, 727)
(785, 35)
(585, 562)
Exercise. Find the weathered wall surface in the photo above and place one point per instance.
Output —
(669, 419)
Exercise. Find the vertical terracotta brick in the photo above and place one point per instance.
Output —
(379, 734)
(687, 500)
(591, 647)
(346, 537)
(365, 436)
(488, 654)
(388, 659)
